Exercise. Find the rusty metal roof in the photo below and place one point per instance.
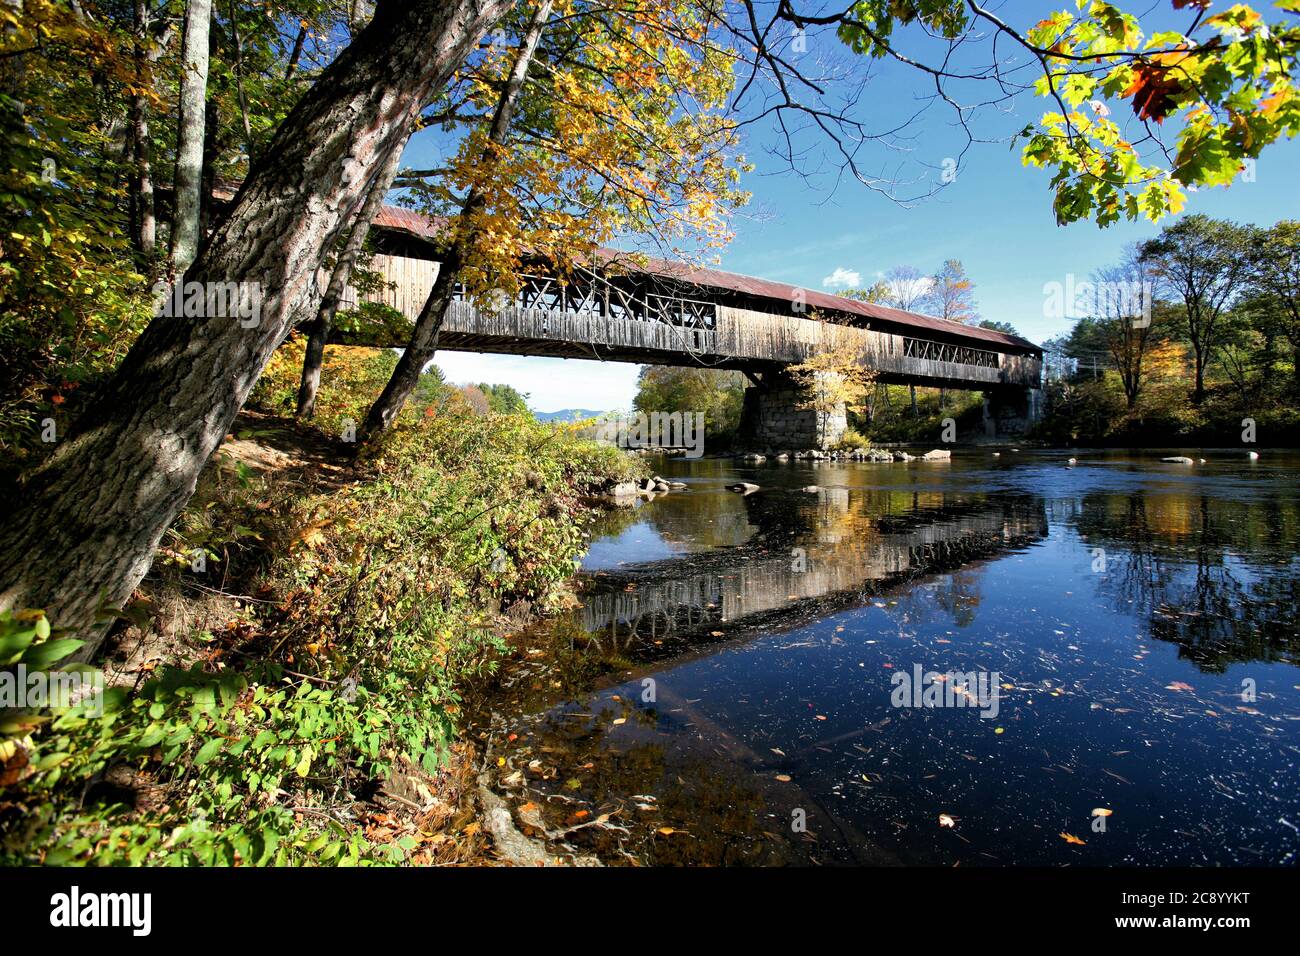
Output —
(408, 220)
(428, 228)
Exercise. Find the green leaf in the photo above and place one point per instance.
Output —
(208, 751)
(49, 652)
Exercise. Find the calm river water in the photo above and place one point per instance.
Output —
(727, 694)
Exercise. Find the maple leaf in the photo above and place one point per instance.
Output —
(1153, 91)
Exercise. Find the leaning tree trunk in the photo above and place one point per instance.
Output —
(95, 511)
(319, 332)
(188, 184)
(424, 337)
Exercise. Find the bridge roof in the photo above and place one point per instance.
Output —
(429, 228)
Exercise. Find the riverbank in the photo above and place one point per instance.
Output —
(285, 687)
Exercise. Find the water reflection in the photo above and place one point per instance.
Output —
(806, 554)
(727, 671)
(1214, 577)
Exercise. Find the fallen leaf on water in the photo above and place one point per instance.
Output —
(667, 831)
(783, 777)
(1071, 838)
(1102, 812)
(1179, 685)
(946, 821)
(620, 720)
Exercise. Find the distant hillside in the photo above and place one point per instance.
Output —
(567, 415)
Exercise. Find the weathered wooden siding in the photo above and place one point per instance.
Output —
(739, 335)
(409, 283)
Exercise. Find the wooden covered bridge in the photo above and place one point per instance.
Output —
(667, 313)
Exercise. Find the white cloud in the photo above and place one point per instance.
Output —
(842, 278)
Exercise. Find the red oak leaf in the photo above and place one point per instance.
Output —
(1153, 92)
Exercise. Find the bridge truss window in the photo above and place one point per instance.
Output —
(946, 352)
(590, 294)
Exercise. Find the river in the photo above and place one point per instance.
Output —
(1111, 649)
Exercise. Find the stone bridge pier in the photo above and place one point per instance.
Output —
(771, 416)
(1012, 411)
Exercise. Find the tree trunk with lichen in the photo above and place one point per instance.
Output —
(95, 510)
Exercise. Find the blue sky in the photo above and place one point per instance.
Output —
(995, 217)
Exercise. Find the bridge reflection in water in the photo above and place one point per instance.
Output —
(834, 550)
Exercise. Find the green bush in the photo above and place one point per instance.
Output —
(387, 597)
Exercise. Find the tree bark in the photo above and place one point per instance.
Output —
(424, 337)
(319, 332)
(144, 228)
(188, 183)
(212, 147)
(1200, 356)
(96, 509)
